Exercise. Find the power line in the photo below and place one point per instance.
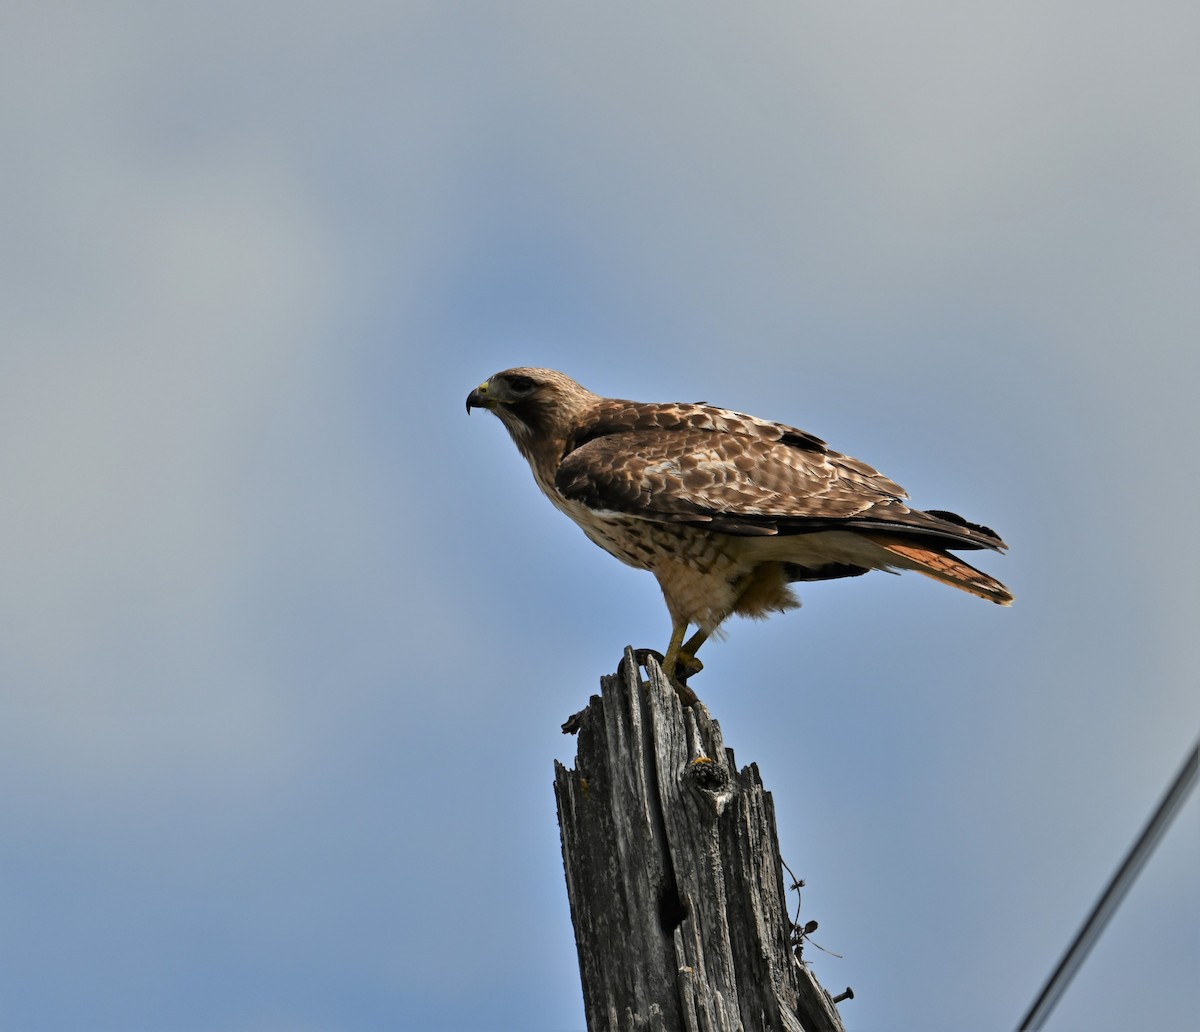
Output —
(1115, 891)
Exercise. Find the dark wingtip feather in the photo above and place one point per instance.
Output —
(958, 521)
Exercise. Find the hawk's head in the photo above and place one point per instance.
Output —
(535, 404)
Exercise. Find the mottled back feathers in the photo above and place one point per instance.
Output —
(737, 475)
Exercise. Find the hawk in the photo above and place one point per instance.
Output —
(726, 510)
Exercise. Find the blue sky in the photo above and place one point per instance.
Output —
(288, 638)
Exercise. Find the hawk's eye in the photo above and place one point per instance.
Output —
(521, 384)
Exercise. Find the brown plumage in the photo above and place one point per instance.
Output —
(726, 510)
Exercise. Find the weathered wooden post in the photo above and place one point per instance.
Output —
(674, 874)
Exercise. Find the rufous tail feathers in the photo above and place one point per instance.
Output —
(943, 566)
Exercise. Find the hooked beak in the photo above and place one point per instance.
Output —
(478, 398)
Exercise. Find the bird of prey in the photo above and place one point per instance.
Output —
(726, 510)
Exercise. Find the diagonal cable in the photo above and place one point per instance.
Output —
(1113, 893)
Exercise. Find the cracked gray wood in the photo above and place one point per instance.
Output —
(674, 875)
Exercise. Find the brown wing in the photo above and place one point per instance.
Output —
(738, 475)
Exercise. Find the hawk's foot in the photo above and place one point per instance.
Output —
(686, 696)
(685, 666)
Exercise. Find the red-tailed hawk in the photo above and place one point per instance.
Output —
(726, 510)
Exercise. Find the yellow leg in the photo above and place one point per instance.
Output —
(675, 653)
(671, 659)
(687, 654)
